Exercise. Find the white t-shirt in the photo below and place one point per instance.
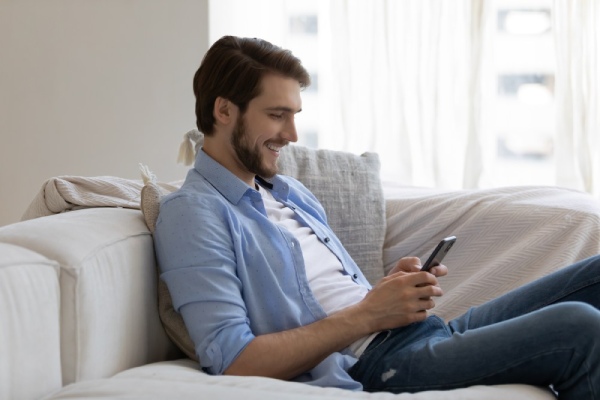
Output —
(333, 289)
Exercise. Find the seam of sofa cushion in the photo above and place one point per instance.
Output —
(69, 268)
(73, 271)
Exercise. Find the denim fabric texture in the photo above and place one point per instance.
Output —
(544, 333)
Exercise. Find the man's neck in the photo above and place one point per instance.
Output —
(221, 154)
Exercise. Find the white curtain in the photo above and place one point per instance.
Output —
(403, 79)
(577, 38)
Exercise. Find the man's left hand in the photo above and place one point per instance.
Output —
(413, 264)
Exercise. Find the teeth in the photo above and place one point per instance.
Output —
(274, 148)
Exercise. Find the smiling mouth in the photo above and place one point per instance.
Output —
(275, 148)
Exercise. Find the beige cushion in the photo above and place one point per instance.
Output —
(350, 190)
(171, 319)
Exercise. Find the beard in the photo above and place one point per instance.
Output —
(250, 157)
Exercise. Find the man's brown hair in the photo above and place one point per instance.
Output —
(233, 68)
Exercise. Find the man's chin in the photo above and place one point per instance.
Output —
(268, 173)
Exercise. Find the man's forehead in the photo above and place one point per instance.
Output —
(280, 93)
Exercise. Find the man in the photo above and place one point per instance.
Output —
(265, 288)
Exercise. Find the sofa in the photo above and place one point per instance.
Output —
(79, 283)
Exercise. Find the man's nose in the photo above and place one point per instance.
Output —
(289, 132)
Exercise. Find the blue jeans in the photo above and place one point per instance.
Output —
(544, 333)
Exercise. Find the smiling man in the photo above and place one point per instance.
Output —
(266, 288)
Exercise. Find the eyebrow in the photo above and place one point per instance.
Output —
(284, 109)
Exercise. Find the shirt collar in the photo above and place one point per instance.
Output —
(229, 185)
(279, 188)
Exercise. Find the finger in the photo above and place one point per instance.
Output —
(395, 269)
(439, 270)
(427, 304)
(424, 278)
(407, 264)
(428, 291)
(422, 306)
(412, 264)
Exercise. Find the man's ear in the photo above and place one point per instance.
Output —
(224, 111)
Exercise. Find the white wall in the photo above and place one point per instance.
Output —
(93, 88)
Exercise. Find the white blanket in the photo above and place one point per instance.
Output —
(66, 193)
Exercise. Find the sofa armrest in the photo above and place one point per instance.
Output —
(30, 365)
(506, 236)
(108, 283)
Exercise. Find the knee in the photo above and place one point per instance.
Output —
(579, 317)
(592, 262)
(595, 259)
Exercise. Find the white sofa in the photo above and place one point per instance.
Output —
(78, 292)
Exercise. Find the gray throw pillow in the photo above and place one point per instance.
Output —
(349, 188)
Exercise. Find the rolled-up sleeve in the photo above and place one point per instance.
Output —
(197, 261)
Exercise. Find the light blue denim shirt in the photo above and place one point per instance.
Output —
(234, 275)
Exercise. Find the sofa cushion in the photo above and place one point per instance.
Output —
(182, 380)
(171, 319)
(30, 365)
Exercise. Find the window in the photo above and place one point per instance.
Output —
(518, 110)
(523, 102)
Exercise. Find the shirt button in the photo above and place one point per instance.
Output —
(326, 240)
(355, 276)
(293, 245)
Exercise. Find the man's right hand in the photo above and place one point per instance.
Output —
(399, 299)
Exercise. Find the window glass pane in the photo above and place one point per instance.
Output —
(524, 101)
(303, 24)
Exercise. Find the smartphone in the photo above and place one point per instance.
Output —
(439, 253)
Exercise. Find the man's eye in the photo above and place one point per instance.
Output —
(277, 116)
